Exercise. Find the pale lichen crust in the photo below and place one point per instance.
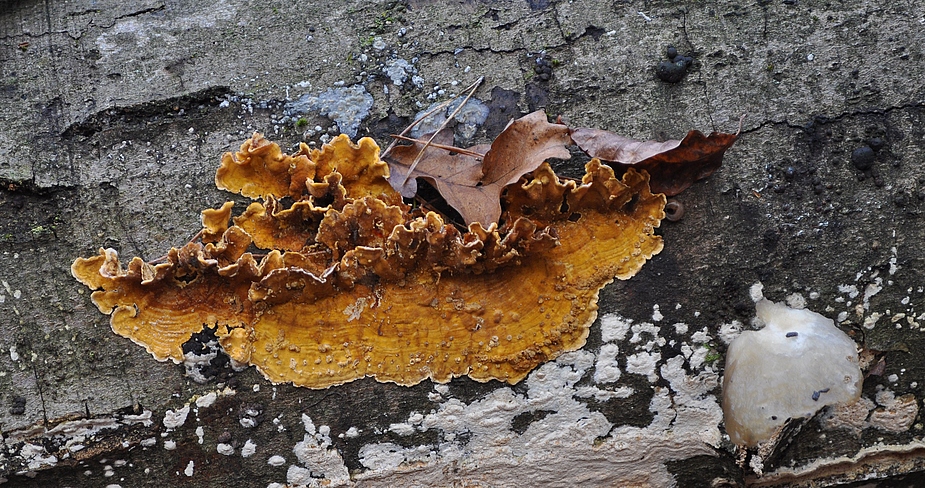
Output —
(356, 283)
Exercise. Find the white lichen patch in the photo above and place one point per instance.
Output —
(176, 418)
(645, 330)
(643, 363)
(297, 477)
(36, 457)
(402, 429)
(144, 418)
(347, 106)
(729, 331)
(468, 118)
(386, 455)
(206, 400)
(696, 356)
(580, 443)
(194, 363)
(850, 290)
(607, 369)
(614, 327)
(248, 449)
(893, 260)
(871, 320)
(604, 395)
(39, 447)
(320, 459)
(796, 300)
(657, 314)
(870, 290)
(756, 292)
(702, 336)
(398, 70)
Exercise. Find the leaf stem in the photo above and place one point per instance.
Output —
(441, 146)
(428, 114)
(456, 111)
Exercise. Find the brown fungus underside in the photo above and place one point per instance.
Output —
(357, 283)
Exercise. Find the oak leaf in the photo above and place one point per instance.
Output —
(472, 183)
(672, 165)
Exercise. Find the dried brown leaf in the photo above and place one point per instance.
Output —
(473, 185)
(672, 165)
(522, 147)
(438, 166)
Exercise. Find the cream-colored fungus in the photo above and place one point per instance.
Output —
(797, 364)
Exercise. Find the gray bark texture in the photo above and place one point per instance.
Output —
(115, 115)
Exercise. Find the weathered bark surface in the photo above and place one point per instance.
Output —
(114, 118)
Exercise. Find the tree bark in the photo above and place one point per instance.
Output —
(115, 118)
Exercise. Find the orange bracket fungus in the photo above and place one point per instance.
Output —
(356, 282)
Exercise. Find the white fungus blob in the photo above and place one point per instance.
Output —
(249, 449)
(174, 419)
(797, 364)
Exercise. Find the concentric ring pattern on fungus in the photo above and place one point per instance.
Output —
(353, 282)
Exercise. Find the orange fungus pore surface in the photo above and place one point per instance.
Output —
(352, 282)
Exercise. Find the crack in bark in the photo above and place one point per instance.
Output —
(132, 14)
(50, 31)
(824, 119)
(102, 119)
(141, 12)
(38, 386)
(693, 50)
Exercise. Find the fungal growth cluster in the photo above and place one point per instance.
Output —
(797, 364)
(352, 281)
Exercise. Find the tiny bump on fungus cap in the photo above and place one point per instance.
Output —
(356, 283)
(797, 364)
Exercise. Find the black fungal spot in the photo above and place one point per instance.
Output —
(17, 405)
(543, 67)
(204, 358)
(817, 393)
(224, 437)
(863, 158)
(672, 52)
(675, 68)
